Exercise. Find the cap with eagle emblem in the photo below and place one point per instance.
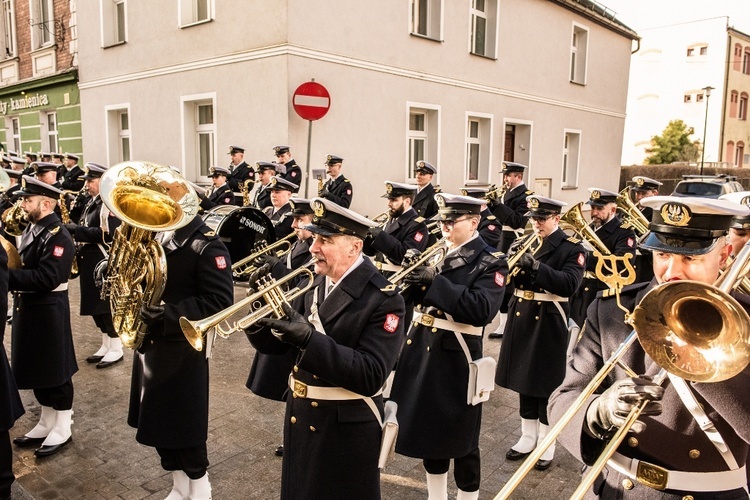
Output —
(689, 225)
(743, 198)
(332, 219)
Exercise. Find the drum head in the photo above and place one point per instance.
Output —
(239, 228)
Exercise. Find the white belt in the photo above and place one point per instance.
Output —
(444, 324)
(660, 478)
(60, 288)
(302, 390)
(513, 229)
(543, 297)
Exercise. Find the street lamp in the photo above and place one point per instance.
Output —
(707, 91)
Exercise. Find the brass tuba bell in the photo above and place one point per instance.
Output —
(147, 198)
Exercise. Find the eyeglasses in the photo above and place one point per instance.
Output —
(451, 223)
(541, 220)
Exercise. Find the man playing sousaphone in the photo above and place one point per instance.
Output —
(345, 333)
(691, 441)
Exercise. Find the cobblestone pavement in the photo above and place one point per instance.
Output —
(104, 461)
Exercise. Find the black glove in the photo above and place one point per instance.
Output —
(152, 315)
(269, 259)
(255, 276)
(71, 228)
(527, 261)
(410, 256)
(100, 273)
(374, 232)
(423, 275)
(324, 193)
(493, 194)
(294, 329)
(609, 410)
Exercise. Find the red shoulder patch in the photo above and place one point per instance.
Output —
(227, 200)
(499, 279)
(293, 174)
(631, 243)
(349, 192)
(391, 323)
(581, 259)
(58, 251)
(221, 262)
(492, 227)
(418, 236)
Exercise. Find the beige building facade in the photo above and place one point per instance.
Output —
(462, 85)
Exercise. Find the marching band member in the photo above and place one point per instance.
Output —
(94, 235)
(345, 333)
(42, 354)
(11, 407)
(424, 201)
(618, 240)
(220, 193)
(489, 227)
(402, 231)
(280, 211)
(269, 373)
(262, 196)
(169, 384)
(691, 441)
(510, 209)
(71, 179)
(644, 187)
(739, 231)
(430, 387)
(239, 172)
(536, 333)
(338, 189)
(293, 171)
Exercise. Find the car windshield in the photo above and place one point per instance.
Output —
(698, 189)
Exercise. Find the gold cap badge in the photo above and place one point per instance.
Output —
(676, 214)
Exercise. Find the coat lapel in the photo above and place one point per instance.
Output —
(350, 288)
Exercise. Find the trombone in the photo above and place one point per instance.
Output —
(693, 330)
(266, 301)
(244, 266)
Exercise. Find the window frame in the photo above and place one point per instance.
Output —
(51, 132)
(432, 137)
(8, 28)
(485, 123)
(433, 19)
(187, 12)
(579, 48)
(490, 16)
(566, 155)
(42, 28)
(115, 135)
(111, 22)
(742, 106)
(14, 132)
(192, 130)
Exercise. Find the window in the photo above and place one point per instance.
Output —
(49, 121)
(690, 51)
(118, 133)
(478, 134)
(699, 97)
(578, 50)
(15, 134)
(737, 62)
(698, 49)
(114, 22)
(123, 135)
(742, 115)
(688, 98)
(483, 27)
(730, 150)
(8, 27)
(704, 51)
(746, 62)
(422, 137)
(426, 18)
(199, 134)
(734, 98)
(739, 154)
(195, 11)
(42, 23)
(571, 151)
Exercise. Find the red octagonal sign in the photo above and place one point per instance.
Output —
(311, 101)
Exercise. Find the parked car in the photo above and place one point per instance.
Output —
(707, 186)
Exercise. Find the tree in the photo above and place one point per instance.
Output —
(673, 145)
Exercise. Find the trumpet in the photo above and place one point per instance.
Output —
(573, 219)
(244, 267)
(693, 330)
(381, 218)
(270, 292)
(496, 192)
(431, 257)
(530, 243)
(632, 217)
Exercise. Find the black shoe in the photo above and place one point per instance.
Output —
(106, 364)
(28, 441)
(279, 450)
(47, 450)
(542, 464)
(515, 455)
(495, 335)
(94, 358)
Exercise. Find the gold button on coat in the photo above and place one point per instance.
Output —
(632, 442)
(314, 404)
(408, 342)
(313, 429)
(293, 420)
(694, 453)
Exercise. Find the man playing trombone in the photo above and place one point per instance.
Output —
(692, 438)
(346, 334)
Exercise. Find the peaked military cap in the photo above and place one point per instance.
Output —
(600, 197)
(235, 149)
(511, 167)
(540, 206)
(396, 189)
(331, 219)
(641, 183)
(71, 156)
(743, 198)
(280, 184)
(474, 192)
(15, 174)
(333, 159)
(425, 168)
(40, 167)
(31, 186)
(301, 206)
(217, 171)
(266, 165)
(280, 150)
(93, 170)
(453, 206)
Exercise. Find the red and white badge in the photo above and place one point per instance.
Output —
(293, 174)
(349, 192)
(227, 200)
(221, 262)
(581, 259)
(631, 242)
(58, 251)
(391, 323)
(418, 236)
(492, 227)
(499, 279)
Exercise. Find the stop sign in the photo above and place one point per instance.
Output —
(311, 101)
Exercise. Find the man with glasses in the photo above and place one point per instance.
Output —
(424, 200)
(533, 352)
(457, 298)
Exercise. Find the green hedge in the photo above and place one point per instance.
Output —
(670, 175)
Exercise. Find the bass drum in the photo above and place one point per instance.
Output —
(240, 228)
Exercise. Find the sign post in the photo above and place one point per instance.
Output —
(311, 101)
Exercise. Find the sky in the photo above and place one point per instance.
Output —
(642, 14)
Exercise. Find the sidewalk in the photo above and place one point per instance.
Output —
(104, 461)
